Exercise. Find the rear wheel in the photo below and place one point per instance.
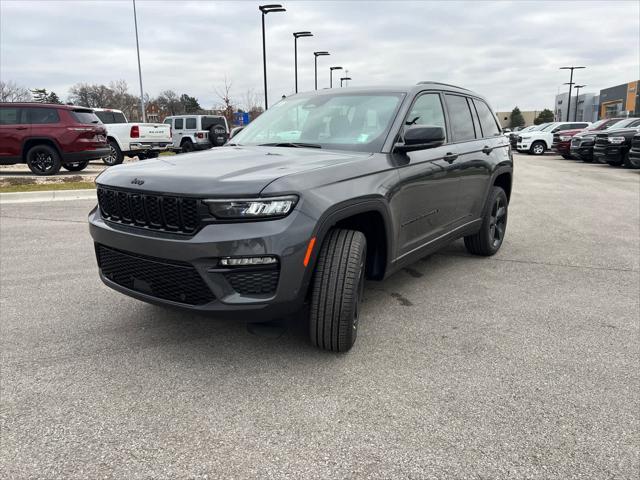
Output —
(115, 154)
(537, 148)
(489, 238)
(338, 284)
(43, 160)
(75, 166)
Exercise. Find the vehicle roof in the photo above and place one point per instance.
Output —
(408, 89)
(195, 115)
(106, 110)
(46, 105)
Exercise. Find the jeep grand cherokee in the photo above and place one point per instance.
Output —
(321, 191)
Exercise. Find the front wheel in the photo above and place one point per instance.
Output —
(338, 284)
(537, 148)
(567, 157)
(489, 238)
(43, 160)
(75, 166)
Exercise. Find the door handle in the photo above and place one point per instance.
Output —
(487, 149)
(21, 128)
(450, 157)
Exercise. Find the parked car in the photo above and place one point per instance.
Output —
(613, 146)
(536, 142)
(634, 153)
(562, 140)
(513, 136)
(582, 144)
(47, 137)
(198, 132)
(262, 227)
(142, 140)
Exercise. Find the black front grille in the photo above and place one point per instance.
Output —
(176, 281)
(601, 140)
(556, 138)
(254, 282)
(157, 212)
(635, 142)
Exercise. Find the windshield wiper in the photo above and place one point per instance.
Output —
(291, 144)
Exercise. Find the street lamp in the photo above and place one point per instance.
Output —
(331, 69)
(135, 22)
(577, 87)
(316, 55)
(570, 83)
(344, 79)
(267, 9)
(297, 35)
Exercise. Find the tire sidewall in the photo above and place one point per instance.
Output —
(187, 146)
(115, 149)
(55, 156)
(533, 148)
(214, 138)
(486, 221)
(76, 166)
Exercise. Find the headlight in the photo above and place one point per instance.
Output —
(252, 208)
(616, 140)
(565, 139)
(527, 137)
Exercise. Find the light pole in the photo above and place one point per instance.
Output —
(344, 79)
(331, 69)
(297, 35)
(267, 9)
(316, 55)
(577, 87)
(570, 83)
(135, 22)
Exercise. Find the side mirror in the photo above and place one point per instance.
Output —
(235, 131)
(421, 137)
(506, 130)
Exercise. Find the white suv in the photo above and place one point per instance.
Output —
(538, 141)
(198, 132)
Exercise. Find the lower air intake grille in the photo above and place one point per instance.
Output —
(255, 282)
(177, 282)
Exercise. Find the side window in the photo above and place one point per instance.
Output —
(119, 117)
(460, 118)
(40, 116)
(178, 124)
(167, 121)
(191, 124)
(10, 116)
(487, 120)
(105, 117)
(634, 124)
(427, 110)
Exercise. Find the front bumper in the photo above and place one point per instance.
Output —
(608, 154)
(286, 239)
(85, 156)
(583, 153)
(524, 146)
(563, 148)
(144, 146)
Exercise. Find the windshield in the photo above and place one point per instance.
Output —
(545, 126)
(596, 126)
(344, 121)
(622, 123)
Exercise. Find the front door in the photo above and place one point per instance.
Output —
(426, 200)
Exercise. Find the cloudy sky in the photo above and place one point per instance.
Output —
(508, 51)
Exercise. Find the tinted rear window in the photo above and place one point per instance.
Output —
(208, 122)
(85, 116)
(191, 124)
(461, 120)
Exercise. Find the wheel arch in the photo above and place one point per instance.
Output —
(33, 141)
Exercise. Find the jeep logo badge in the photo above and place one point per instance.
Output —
(137, 181)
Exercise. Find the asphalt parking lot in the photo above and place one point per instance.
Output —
(524, 365)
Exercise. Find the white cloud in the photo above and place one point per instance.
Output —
(508, 51)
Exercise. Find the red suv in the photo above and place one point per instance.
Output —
(47, 137)
(562, 140)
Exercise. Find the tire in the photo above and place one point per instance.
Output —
(567, 157)
(115, 157)
(614, 164)
(626, 162)
(43, 160)
(537, 148)
(76, 166)
(489, 238)
(338, 283)
(187, 146)
(152, 154)
(142, 156)
(587, 160)
(217, 139)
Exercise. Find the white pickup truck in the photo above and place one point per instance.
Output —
(142, 140)
(539, 140)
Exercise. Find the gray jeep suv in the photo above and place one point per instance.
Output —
(321, 191)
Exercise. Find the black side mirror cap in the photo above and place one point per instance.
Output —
(421, 137)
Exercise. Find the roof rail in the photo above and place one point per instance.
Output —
(440, 83)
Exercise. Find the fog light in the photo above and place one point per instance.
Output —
(242, 261)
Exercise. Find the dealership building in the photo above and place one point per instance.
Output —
(619, 101)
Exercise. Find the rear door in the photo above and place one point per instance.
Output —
(426, 202)
(14, 128)
(178, 131)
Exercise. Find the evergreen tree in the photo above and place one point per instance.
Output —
(53, 98)
(545, 116)
(516, 120)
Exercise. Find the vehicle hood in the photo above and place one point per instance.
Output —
(618, 132)
(223, 171)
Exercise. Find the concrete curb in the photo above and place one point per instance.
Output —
(47, 196)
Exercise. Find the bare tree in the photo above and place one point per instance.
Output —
(169, 102)
(11, 92)
(224, 94)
